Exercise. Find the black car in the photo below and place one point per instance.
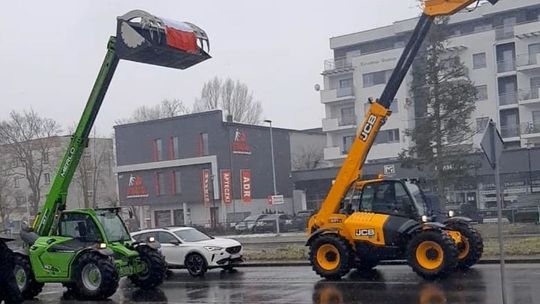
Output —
(268, 223)
(299, 222)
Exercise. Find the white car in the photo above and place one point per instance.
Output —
(186, 247)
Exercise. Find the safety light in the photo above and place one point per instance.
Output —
(151, 239)
(102, 246)
(424, 218)
(451, 213)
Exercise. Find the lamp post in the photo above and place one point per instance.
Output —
(273, 170)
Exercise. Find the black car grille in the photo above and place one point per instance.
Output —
(234, 249)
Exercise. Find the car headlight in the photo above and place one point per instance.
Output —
(213, 248)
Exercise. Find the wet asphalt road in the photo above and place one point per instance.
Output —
(387, 284)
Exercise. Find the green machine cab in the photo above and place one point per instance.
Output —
(89, 250)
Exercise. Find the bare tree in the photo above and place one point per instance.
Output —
(28, 139)
(167, 108)
(7, 204)
(309, 157)
(89, 175)
(234, 98)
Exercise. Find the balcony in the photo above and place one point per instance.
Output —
(337, 94)
(504, 32)
(510, 131)
(528, 62)
(337, 65)
(333, 153)
(508, 99)
(529, 96)
(530, 129)
(336, 124)
(505, 66)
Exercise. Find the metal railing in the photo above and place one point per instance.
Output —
(504, 32)
(527, 59)
(510, 131)
(347, 120)
(530, 127)
(529, 94)
(337, 63)
(506, 99)
(506, 66)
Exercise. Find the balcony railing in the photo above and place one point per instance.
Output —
(506, 66)
(346, 121)
(337, 63)
(506, 99)
(341, 92)
(530, 127)
(504, 32)
(527, 59)
(529, 94)
(510, 131)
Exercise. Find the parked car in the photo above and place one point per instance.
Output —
(247, 224)
(299, 222)
(268, 223)
(187, 247)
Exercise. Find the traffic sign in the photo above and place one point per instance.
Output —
(277, 199)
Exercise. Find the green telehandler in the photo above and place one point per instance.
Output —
(89, 250)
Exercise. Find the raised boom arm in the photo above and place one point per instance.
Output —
(151, 40)
(379, 110)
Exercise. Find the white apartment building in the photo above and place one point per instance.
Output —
(499, 44)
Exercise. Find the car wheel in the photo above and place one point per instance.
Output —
(195, 264)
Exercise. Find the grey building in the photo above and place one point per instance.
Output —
(198, 169)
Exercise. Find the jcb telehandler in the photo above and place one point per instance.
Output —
(363, 222)
(89, 250)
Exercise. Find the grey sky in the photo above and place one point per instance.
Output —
(52, 50)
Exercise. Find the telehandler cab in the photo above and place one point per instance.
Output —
(89, 250)
(363, 222)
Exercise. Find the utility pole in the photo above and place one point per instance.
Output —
(273, 171)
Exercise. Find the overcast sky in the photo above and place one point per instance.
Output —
(52, 50)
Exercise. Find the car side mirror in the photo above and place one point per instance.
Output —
(175, 242)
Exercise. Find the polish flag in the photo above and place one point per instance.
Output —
(180, 36)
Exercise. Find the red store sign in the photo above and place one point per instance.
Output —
(206, 186)
(245, 182)
(226, 192)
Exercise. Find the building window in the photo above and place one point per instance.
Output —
(204, 144)
(394, 106)
(376, 78)
(346, 83)
(177, 182)
(16, 182)
(47, 178)
(481, 92)
(175, 150)
(46, 157)
(387, 136)
(479, 61)
(158, 149)
(347, 143)
(481, 124)
(348, 117)
(160, 184)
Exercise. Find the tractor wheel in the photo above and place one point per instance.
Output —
(24, 276)
(195, 264)
(156, 269)
(96, 277)
(363, 264)
(473, 245)
(432, 254)
(330, 257)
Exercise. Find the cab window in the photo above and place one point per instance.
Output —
(351, 201)
(78, 226)
(386, 197)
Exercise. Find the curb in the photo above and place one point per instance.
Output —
(384, 263)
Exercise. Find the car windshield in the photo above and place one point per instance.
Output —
(251, 218)
(192, 235)
(114, 227)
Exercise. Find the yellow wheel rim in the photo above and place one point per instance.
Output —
(429, 255)
(328, 257)
(466, 248)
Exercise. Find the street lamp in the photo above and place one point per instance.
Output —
(273, 171)
(272, 152)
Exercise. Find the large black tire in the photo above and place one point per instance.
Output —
(9, 290)
(432, 254)
(473, 245)
(196, 264)
(156, 269)
(330, 256)
(95, 277)
(24, 276)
